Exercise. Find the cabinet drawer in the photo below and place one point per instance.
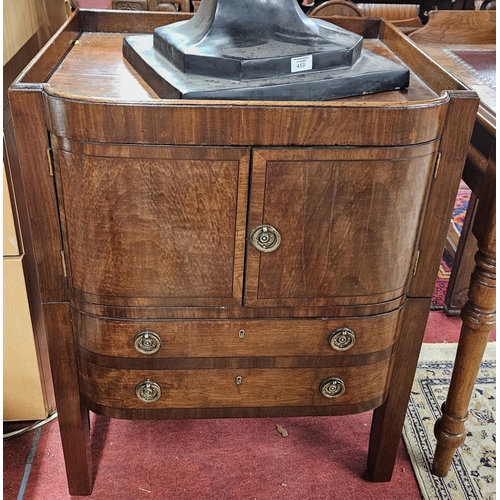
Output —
(227, 338)
(233, 387)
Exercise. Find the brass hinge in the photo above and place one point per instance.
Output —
(63, 260)
(51, 162)
(415, 263)
(436, 166)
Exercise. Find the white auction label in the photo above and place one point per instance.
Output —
(303, 63)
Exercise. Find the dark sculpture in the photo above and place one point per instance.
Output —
(258, 49)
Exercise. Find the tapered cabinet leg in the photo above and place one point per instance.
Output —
(72, 415)
(388, 419)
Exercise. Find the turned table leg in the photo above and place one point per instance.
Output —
(478, 316)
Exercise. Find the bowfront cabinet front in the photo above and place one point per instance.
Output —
(150, 228)
(201, 259)
(168, 226)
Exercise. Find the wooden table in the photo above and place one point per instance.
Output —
(463, 42)
(158, 302)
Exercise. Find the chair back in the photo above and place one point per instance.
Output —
(397, 14)
(336, 8)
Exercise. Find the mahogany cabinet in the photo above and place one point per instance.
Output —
(202, 259)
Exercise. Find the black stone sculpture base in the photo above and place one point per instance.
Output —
(258, 50)
(371, 73)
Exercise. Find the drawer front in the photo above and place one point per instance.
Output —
(229, 338)
(233, 387)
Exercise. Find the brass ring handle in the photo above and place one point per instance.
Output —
(332, 387)
(148, 391)
(342, 339)
(147, 342)
(265, 238)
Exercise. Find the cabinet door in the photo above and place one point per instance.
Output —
(349, 221)
(153, 226)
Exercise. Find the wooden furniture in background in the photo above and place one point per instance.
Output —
(471, 34)
(336, 8)
(133, 5)
(401, 15)
(463, 42)
(27, 382)
(27, 387)
(488, 5)
(153, 5)
(404, 16)
(156, 301)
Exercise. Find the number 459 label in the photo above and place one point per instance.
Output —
(303, 63)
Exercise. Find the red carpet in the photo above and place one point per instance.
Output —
(15, 452)
(322, 458)
(442, 329)
(442, 281)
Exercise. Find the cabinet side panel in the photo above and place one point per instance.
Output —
(24, 238)
(35, 187)
(454, 146)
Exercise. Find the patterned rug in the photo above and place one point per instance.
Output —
(459, 211)
(442, 281)
(472, 474)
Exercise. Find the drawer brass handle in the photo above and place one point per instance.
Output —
(147, 342)
(332, 387)
(265, 238)
(342, 339)
(148, 391)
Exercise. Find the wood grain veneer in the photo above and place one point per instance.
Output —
(211, 338)
(153, 202)
(357, 212)
(166, 200)
(227, 412)
(226, 312)
(217, 388)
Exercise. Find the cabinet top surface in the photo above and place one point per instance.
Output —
(94, 69)
(103, 74)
